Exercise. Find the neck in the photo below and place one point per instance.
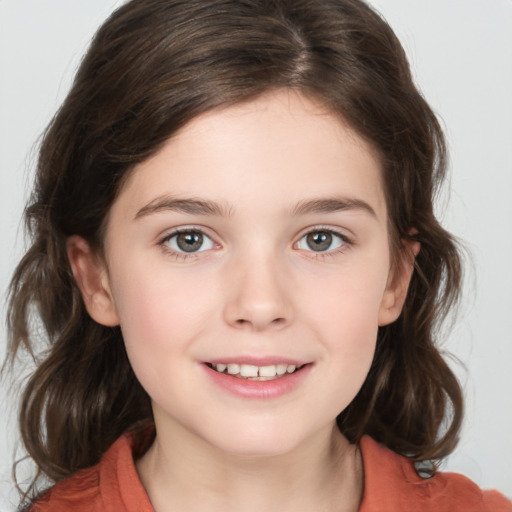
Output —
(323, 473)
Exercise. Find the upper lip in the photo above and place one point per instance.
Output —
(257, 360)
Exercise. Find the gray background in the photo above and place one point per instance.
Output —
(461, 54)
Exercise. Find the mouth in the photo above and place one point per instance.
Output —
(256, 373)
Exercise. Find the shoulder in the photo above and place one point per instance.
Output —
(391, 483)
(110, 486)
(78, 492)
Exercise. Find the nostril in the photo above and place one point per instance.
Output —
(276, 321)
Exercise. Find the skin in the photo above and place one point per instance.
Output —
(255, 288)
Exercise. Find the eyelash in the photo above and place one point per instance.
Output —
(347, 243)
(182, 256)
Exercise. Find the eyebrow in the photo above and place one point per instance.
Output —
(196, 206)
(191, 206)
(332, 205)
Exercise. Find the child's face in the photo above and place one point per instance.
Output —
(281, 209)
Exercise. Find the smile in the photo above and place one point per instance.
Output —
(263, 380)
(252, 372)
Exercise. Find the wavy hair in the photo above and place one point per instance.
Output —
(151, 68)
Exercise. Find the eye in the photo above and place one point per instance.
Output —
(321, 241)
(188, 241)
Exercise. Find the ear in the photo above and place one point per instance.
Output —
(91, 276)
(398, 284)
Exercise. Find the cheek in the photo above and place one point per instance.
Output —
(344, 314)
(160, 319)
(348, 329)
(159, 310)
(348, 300)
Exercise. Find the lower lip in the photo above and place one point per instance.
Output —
(262, 389)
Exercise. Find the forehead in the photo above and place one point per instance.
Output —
(274, 151)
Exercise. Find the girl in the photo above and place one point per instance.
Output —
(235, 259)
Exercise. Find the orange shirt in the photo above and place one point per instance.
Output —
(391, 485)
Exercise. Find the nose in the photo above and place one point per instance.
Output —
(258, 295)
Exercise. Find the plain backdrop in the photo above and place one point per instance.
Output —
(461, 55)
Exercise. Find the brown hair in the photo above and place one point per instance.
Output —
(152, 67)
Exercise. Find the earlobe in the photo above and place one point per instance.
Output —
(91, 277)
(398, 284)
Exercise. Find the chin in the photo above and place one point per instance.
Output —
(258, 440)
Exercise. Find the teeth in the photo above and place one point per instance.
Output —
(253, 372)
(281, 369)
(268, 371)
(248, 370)
(233, 369)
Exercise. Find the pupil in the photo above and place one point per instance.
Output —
(190, 242)
(319, 241)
